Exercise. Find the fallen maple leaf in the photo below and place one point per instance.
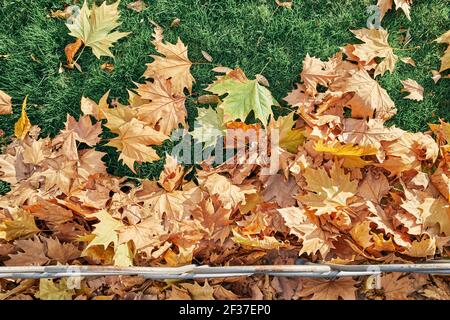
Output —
(199, 292)
(423, 248)
(284, 4)
(266, 243)
(94, 27)
(350, 153)
(174, 64)
(327, 193)
(71, 50)
(105, 233)
(215, 218)
(243, 96)
(414, 89)
(166, 109)
(374, 187)
(133, 142)
(37, 152)
(375, 45)
(61, 252)
(33, 253)
(172, 175)
(362, 235)
(323, 289)
(5, 103)
(208, 126)
(307, 228)
(396, 287)
(229, 194)
(439, 213)
(83, 130)
(288, 138)
(315, 72)
(369, 133)
(50, 290)
(445, 60)
(386, 5)
(89, 107)
(145, 235)
(438, 291)
(21, 225)
(369, 97)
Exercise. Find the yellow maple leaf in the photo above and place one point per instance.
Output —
(174, 63)
(50, 290)
(266, 243)
(22, 225)
(350, 153)
(327, 193)
(133, 141)
(288, 138)
(94, 27)
(23, 125)
(361, 234)
(422, 248)
(107, 232)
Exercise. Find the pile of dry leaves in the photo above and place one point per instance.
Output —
(350, 190)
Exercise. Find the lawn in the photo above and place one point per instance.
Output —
(254, 35)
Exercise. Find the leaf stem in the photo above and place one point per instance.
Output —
(79, 55)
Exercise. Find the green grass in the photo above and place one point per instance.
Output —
(254, 35)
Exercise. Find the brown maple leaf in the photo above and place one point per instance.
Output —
(83, 130)
(280, 190)
(214, 217)
(61, 252)
(33, 253)
(165, 109)
(374, 186)
(145, 235)
(322, 289)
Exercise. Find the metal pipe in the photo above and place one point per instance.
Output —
(202, 272)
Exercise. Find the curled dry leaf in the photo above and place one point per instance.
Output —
(284, 4)
(414, 89)
(207, 56)
(23, 125)
(137, 6)
(71, 50)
